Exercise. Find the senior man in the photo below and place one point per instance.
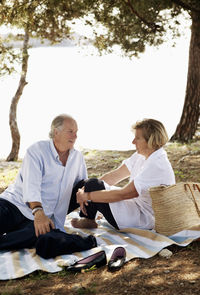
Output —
(34, 208)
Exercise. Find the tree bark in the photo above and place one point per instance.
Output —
(187, 126)
(13, 156)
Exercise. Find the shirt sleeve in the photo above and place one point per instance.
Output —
(31, 174)
(154, 174)
(129, 162)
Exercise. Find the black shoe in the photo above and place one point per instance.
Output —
(117, 259)
(95, 260)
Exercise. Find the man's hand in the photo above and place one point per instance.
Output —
(42, 223)
(82, 198)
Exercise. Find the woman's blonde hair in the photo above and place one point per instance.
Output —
(58, 122)
(154, 132)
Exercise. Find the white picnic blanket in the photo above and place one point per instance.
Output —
(137, 242)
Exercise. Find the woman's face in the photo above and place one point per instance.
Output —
(141, 144)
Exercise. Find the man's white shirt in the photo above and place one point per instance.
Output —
(43, 178)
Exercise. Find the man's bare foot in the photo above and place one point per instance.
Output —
(84, 223)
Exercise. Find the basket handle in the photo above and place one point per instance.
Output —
(194, 185)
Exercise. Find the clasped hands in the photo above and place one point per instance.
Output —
(82, 199)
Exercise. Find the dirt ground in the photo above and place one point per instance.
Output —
(179, 274)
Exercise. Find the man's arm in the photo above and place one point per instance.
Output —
(42, 223)
(115, 176)
(32, 178)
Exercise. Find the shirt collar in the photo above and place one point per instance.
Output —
(157, 153)
(54, 151)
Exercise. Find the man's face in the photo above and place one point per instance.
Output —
(65, 136)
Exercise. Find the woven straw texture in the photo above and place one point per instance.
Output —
(176, 207)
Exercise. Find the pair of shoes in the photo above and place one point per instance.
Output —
(93, 261)
(117, 259)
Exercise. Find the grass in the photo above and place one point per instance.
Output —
(7, 177)
(37, 275)
(180, 174)
(13, 291)
(85, 291)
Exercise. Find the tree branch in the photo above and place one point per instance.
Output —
(185, 6)
(153, 26)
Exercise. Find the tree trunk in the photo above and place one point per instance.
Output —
(13, 156)
(187, 126)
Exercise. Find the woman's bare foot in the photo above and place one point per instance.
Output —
(84, 223)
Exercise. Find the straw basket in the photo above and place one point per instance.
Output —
(176, 207)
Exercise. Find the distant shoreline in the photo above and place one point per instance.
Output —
(37, 43)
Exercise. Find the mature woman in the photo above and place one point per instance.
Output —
(129, 206)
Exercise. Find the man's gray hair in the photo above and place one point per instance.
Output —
(58, 122)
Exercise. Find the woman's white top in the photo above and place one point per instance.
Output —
(154, 171)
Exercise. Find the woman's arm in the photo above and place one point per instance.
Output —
(127, 192)
(115, 176)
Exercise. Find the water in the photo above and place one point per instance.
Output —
(105, 94)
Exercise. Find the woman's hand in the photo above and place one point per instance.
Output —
(42, 223)
(82, 198)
